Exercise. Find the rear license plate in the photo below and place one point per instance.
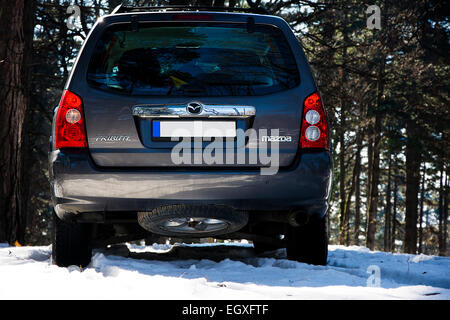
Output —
(193, 129)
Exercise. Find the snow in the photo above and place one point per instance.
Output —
(151, 272)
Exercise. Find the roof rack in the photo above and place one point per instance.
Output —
(123, 9)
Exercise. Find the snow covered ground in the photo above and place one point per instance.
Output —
(233, 272)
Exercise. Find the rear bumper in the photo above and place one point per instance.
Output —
(79, 186)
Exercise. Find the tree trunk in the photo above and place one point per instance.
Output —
(443, 212)
(446, 191)
(373, 194)
(345, 230)
(375, 162)
(394, 210)
(27, 136)
(344, 218)
(422, 194)
(387, 218)
(14, 99)
(357, 189)
(412, 186)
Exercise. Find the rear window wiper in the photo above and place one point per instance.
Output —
(236, 83)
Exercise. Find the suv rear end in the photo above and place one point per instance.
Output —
(190, 124)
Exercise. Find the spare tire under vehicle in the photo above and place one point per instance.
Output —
(193, 220)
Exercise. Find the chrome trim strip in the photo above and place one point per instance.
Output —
(179, 111)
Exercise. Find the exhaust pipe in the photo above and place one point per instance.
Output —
(298, 218)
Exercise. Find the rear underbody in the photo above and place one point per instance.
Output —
(84, 191)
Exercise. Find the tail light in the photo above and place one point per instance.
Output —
(314, 130)
(69, 127)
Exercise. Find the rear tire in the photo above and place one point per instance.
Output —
(309, 242)
(71, 243)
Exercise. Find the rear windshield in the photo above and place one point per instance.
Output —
(185, 59)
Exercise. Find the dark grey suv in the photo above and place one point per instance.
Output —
(190, 123)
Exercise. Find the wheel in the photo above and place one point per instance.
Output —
(185, 221)
(71, 243)
(309, 242)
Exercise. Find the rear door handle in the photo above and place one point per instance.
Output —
(192, 110)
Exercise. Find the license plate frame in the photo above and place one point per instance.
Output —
(175, 130)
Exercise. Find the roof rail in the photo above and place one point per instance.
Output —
(123, 9)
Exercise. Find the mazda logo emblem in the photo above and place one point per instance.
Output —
(194, 107)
